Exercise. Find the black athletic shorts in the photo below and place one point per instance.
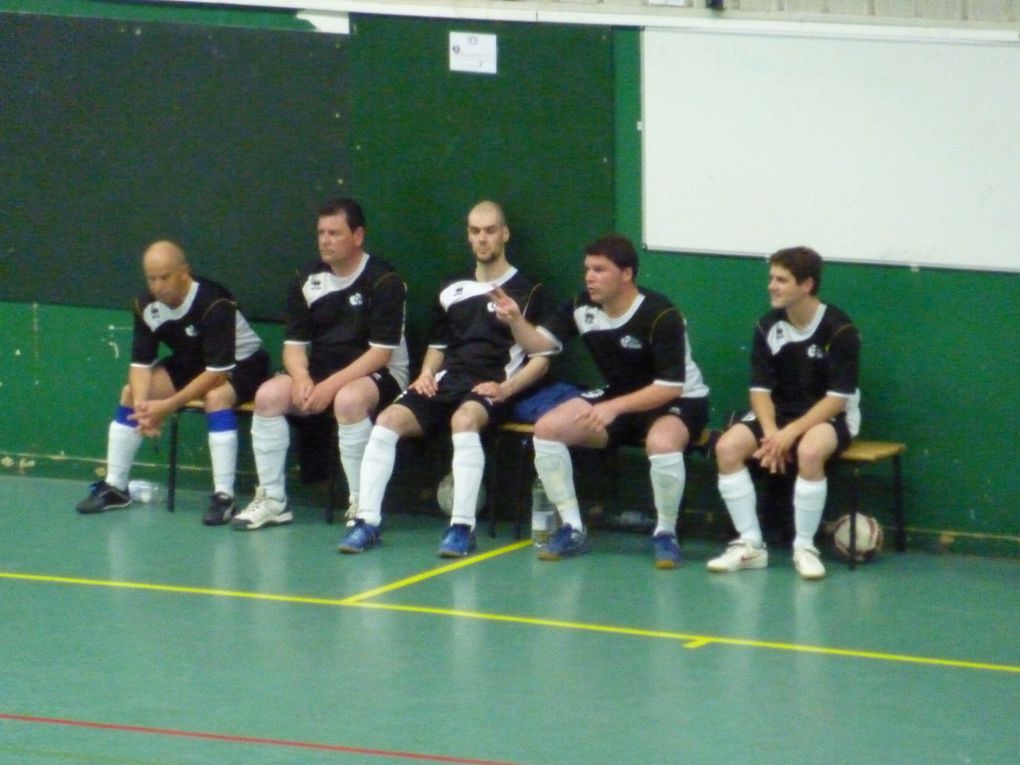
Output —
(245, 377)
(843, 437)
(454, 388)
(630, 429)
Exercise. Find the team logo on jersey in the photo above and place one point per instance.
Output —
(490, 307)
(589, 317)
(315, 282)
(190, 331)
(458, 291)
(631, 343)
(154, 311)
(814, 352)
(356, 299)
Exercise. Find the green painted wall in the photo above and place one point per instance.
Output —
(941, 352)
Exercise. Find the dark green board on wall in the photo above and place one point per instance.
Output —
(115, 133)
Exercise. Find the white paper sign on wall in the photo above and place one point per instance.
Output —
(471, 52)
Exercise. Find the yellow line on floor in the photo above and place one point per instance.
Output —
(213, 592)
(696, 641)
(174, 588)
(690, 641)
(434, 572)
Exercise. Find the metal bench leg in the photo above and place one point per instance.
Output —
(901, 527)
(171, 479)
(855, 501)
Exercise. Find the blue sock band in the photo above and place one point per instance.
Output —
(220, 421)
(122, 414)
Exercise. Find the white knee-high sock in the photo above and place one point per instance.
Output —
(351, 441)
(376, 470)
(553, 465)
(223, 455)
(737, 491)
(808, 506)
(468, 469)
(668, 475)
(270, 437)
(121, 447)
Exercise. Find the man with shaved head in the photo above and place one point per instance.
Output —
(471, 372)
(215, 357)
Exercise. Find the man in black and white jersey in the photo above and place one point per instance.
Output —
(215, 357)
(654, 391)
(804, 410)
(344, 351)
(471, 372)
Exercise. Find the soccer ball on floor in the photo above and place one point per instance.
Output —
(868, 538)
(444, 495)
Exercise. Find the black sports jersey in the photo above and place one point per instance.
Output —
(205, 332)
(798, 368)
(648, 344)
(339, 318)
(466, 330)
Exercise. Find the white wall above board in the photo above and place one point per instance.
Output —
(869, 150)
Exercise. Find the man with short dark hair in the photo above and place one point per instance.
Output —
(344, 353)
(804, 410)
(654, 391)
(215, 357)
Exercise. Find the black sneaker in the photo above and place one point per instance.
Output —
(102, 497)
(221, 510)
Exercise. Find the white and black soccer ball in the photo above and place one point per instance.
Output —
(444, 495)
(868, 540)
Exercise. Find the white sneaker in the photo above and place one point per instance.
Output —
(740, 554)
(808, 564)
(263, 511)
(351, 515)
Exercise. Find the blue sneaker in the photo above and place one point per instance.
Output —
(361, 536)
(667, 551)
(458, 542)
(566, 542)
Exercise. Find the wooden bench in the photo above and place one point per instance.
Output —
(860, 454)
(244, 411)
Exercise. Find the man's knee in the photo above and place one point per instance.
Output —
(470, 417)
(222, 397)
(667, 435)
(354, 403)
(397, 418)
(734, 448)
(273, 397)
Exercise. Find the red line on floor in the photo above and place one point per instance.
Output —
(245, 739)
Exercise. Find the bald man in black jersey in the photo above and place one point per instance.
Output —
(215, 357)
(471, 372)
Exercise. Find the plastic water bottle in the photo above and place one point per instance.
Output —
(544, 518)
(144, 491)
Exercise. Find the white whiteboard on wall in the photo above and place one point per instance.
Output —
(868, 150)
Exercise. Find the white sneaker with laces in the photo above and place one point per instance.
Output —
(739, 555)
(808, 564)
(263, 511)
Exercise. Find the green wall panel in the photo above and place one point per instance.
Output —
(116, 133)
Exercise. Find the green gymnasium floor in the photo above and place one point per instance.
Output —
(141, 637)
